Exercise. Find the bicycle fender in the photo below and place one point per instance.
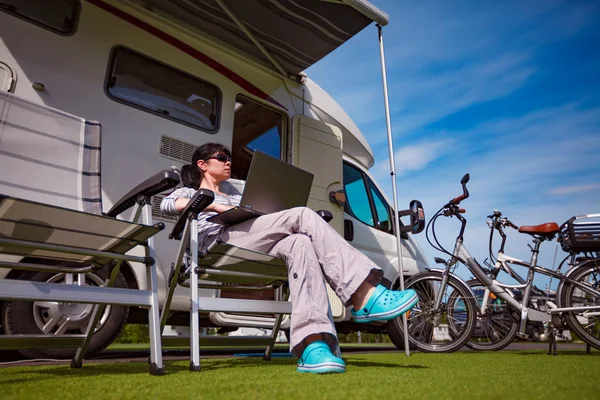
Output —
(570, 272)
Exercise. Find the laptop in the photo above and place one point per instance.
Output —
(272, 185)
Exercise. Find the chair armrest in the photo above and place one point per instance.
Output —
(325, 214)
(160, 182)
(199, 202)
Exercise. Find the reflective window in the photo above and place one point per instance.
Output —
(56, 15)
(269, 142)
(255, 127)
(357, 198)
(365, 202)
(149, 85)
(384, 221)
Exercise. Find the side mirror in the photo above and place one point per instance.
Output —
(417, 218)
(463, 182)
(465, 179)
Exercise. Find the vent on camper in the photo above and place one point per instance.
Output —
(156, 209)
(176, 149)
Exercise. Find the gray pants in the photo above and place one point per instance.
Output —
(314, 252)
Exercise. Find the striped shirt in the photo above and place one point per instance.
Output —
(205, 228)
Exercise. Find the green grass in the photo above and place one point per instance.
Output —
(279, 346)
(507, 374)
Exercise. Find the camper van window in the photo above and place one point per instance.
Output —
(269, 142)
(255, 127)
(357, 197)
(149, 85)
(384, 222)
(57, 16)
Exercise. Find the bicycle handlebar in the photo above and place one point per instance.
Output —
(510, 224)
(458, 199)
(450, 209)
(499, 223)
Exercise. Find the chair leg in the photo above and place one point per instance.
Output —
(194, 312)
(175, 276)
(77, 361)
(194, 325)
(276, 326)
(156, 362)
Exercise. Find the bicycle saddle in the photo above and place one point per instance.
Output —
(546, 230)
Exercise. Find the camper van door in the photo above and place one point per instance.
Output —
(317, 148)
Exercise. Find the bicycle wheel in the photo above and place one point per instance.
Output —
(495, 328)
(443, 329)
(586, 324)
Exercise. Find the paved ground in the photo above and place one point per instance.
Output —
(13, 358)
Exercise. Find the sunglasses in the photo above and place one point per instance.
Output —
(220, 157)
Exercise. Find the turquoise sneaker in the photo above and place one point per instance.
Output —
(386, 304)
(317, 358)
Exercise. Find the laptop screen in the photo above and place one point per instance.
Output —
(273, 185)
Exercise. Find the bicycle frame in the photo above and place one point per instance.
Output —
(501, 290)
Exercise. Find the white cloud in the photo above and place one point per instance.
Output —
(412, 157)
(564, 190)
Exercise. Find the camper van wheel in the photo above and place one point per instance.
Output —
(33, 317)
(396, 336)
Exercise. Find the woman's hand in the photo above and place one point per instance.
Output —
(219, 208)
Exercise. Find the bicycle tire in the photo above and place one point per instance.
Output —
(457, 306)
(585, 326)
(494, 330)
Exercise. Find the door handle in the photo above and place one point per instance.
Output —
(348, 230)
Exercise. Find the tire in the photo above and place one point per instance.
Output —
(28, 317)
(394, 331)
(495, 329)
(586, 327)
(458, 309)
(395, 334)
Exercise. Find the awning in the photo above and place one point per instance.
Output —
(287, 36)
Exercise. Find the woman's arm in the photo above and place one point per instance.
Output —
(174, 203)
(180, 204)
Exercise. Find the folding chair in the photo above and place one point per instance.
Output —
(51, 220)
(223, 266)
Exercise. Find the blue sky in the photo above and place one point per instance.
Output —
(508, 91)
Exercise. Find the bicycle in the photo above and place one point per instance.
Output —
(445, 298)
(495, 327)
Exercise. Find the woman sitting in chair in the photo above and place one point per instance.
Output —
(312, 250)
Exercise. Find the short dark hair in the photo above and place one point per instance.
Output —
(191, 176)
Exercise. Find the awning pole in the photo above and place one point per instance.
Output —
(393, 175)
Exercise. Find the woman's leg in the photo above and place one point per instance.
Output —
(310, 319)
(344, 267)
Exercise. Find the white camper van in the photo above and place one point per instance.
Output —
(163, 77)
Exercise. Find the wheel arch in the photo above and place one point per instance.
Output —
(568, 274)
